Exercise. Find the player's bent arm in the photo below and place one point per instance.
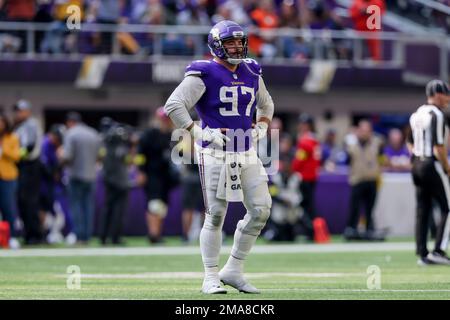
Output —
(264, 103)
(264, 110)
(441, 155)
(183, 99)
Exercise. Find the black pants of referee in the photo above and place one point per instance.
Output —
(431, 183)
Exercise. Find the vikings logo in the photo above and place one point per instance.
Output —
(215, 33)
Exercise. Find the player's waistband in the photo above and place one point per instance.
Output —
(424, 158)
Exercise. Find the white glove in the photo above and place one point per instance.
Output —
(209, 135)
(260, 130)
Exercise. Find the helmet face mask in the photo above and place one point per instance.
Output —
(221, 44)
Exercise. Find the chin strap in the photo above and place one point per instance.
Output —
(234, 61)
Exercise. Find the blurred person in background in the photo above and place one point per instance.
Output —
(29, 132)
(190, 13)
(359, 15)
(332, 154)
(264, 17)
(366, 158)
(51, 221)
(9, 156)
(284, 187)
(107, 12)
(294, 47)
(306, 164)
(58, 38)
(116, 160)
(80, 153)
(320, 15)
(231, 10)
(152, 12)
(20, 11)
(157, 170)
(192, 197)
(396, 152)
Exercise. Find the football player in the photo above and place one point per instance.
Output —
(226, 92)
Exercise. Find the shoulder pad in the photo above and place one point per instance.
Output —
(197, 68)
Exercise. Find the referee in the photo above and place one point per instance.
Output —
(431, 171)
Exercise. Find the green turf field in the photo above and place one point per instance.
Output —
(311, 272)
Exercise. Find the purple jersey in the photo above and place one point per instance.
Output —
(229, 100)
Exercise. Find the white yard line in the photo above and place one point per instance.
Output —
(199, 275)
(355, 290)
(258, 249)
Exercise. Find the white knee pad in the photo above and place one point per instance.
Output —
(158, 207)
(214, 217)
(254, 221)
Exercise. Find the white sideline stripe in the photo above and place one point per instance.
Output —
(200, 275)
(165, 251)
(357, 290)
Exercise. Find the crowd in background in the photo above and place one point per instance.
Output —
(266, 15)
(48, 181)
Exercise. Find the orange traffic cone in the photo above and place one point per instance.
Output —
(321, 234)
(4, 234)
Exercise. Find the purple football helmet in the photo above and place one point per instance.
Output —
(223, 31)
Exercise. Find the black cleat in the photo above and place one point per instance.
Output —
(424, 261)
(439, 257)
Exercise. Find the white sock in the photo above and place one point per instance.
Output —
(242, 245)
(210, 243)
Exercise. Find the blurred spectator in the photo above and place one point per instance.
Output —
(284, 187)
(192, 197)
(307, 164)
(396, 152)
(190, 13)
(143, 12)
(80, 152)
(157, 168)
(115, 176)
(231, 10)
(19, 11)
(294, 47)
(287, 149)
(365, 170)
(9, 156)
(52, 221)
(359, 15)
(29, 132)
(320, 16)
(223, 13)
(193, 13)
(108, 12)
(58, 38)
(265, 18)
(332, 154)
(43, 15)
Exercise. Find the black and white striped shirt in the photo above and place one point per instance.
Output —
(428, 129)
